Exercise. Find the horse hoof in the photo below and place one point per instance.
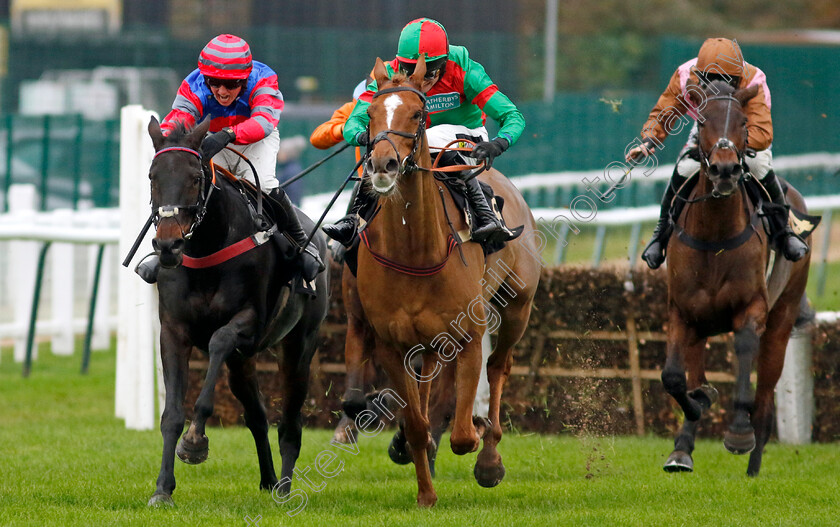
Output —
(353, 407)
(342, 435)
(739, 443)
(427, 500)
(482, 426)
(161, 500)
(706, 395)
(398, 450)
(193, 453)
(489, 476)
(679, 461)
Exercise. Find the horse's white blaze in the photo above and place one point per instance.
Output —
(391, 104)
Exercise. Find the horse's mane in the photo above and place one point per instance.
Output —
(399, 79)
(177, 135)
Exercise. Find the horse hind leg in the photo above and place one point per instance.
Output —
(770, 363)
(489, 469)
(298, 350)
(244, 385)
(740, 437)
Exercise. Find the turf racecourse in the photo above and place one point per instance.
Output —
(65, 460)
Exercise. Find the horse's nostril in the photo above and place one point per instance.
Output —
(178, 246)
(155, 244)
(736, 170)
(392, 165)
(714, 170)
(369, 167)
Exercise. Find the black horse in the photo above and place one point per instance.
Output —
(226, 303)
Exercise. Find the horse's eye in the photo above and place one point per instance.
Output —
(417, 115)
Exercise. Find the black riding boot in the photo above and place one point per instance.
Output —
(311, 263)
(791, 245)
(148, 269)
(485, 223)
(344, 230)
(654, 253)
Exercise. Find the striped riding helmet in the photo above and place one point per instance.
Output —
(225, 57)
(424, 36)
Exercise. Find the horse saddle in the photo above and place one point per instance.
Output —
(457, 190)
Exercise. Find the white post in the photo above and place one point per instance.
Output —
(795, 390)
(62, 265)
(135, 394)
(23, 263)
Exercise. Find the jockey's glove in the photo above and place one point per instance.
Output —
(215, 142)
(489, 150)
(362, 138)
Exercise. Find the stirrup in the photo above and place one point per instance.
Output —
(311, 262)
(148, 268)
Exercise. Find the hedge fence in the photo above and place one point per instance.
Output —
(590, 363)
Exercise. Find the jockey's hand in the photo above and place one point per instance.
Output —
(362, 138)
(215, 142)
(489, 150)
(638, 152)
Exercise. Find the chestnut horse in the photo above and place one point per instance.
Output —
(716, 284)
(410, 297)
(229, 307)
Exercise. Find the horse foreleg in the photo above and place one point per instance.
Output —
(682, 340)
(194, 446)
(175, 352)
(740, 437)
(356, 360)
(298, 349)
(416, 429)
(244, 385)
(465, 438)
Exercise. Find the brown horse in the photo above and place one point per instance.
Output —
(716, 284)
(411, 299)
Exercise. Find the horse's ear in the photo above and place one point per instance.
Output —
(419, 71)
(746, 94)
(196, 135)
(155, 133)
(380, 74)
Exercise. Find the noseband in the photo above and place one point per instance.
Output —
(170, 211)
(408, 164)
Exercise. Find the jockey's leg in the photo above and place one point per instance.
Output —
(761, 168)
(654, 253)
(791, 245)
(344, 230)
(311, 263)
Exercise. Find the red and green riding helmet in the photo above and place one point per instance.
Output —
(423, 36)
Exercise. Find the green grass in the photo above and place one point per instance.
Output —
(65, 460)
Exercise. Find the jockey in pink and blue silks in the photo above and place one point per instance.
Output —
(242, 99)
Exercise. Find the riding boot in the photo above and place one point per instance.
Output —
(311, 263)
(344, 230)
(148, 269)
(792, 246)
(485, 223)
(654, 253)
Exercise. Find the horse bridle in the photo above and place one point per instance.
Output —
(723, 143)
(171, 211)
(408, 164)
